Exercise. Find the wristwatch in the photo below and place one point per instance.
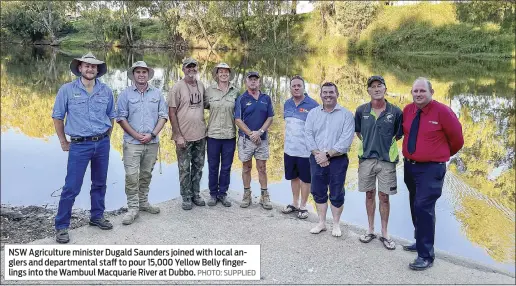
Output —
(261, 131)
(153, 135)
(328, 155)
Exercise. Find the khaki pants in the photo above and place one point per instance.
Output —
(139, 160)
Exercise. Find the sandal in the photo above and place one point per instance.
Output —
(289, 209)
(368, 237)
(388, 243)
(302, 214)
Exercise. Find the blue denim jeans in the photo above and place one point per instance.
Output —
(79, 156)
(331, 177)
(220, 155)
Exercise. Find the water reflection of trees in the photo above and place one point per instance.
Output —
(483, 91)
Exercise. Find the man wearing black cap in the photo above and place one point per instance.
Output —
(378, 125)
(253, 116)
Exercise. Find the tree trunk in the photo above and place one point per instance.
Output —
(293, 7)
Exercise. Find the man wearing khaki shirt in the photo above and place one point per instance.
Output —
(186, 113)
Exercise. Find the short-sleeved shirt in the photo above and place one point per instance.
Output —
(189, 101)
(295, 117)
(141, 110)
(221, 123)
(379, 134)
(253, 112)
(86, 114)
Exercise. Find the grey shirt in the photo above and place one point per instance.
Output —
(379, 135)
(141, 110)
(325, 131)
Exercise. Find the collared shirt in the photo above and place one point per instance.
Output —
(439, 136)
(295, 117)
(221, 124)
(189, 102)
(141, 110)
(379, 134)
(253, 112)
(325, 130)
(86, 114)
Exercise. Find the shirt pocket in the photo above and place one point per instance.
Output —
(78, 106)
(134, 104)
(154, 104)
(100, 104)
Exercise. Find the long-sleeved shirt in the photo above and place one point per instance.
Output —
(327, 131)
(141, 110)
(221, 124)
(86, 114)
(439, 136)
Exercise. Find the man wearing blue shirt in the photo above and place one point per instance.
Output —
(142, 112)
(88, 106)
(296, 154)
(253, 116)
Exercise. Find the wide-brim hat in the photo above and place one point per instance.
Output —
(91, 59)
(139, 64)
(222, 66)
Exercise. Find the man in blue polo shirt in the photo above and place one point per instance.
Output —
(296, 154)
(88, 106)
(253, 116)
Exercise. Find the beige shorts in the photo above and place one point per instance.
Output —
(370, 169)
(247, 149)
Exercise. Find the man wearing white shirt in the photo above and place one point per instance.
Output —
(329, 131)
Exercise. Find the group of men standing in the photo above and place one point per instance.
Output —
(317, 141)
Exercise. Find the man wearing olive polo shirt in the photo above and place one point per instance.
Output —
(378, 125)
(253, 116)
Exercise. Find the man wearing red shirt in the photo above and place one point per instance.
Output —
(432, 133)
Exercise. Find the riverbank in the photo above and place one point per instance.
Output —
(20, 225)
(289, 253)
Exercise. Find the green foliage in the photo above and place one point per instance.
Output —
(499, 12)
(430, 29)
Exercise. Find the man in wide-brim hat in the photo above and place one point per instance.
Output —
(142, 113)
(89, 108)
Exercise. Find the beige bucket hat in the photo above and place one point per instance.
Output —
(139, 64)
(222, 66)
(91, 59)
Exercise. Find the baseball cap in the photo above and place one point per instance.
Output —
(375, 78)
(188, 61)
(252, 73)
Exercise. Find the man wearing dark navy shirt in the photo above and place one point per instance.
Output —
(253, 116)
(432, 133)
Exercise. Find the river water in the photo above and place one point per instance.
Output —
(475, 215)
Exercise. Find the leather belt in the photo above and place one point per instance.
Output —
(92, 138)
(416, 162)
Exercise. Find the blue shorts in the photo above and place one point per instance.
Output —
(297, 167)
(330, 178)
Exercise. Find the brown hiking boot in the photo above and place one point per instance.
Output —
(265, 201)
(246, 200)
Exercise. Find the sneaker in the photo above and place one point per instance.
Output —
(187, 204)
(198, 201)
(62, 235)
(131, 215)
(212, 201)
(102, 223)
(224, 201)
(146, 207)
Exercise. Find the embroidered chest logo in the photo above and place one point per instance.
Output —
(248, 103)
(303, 110)
(433, 122)
(389, 118)
(365, 116)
